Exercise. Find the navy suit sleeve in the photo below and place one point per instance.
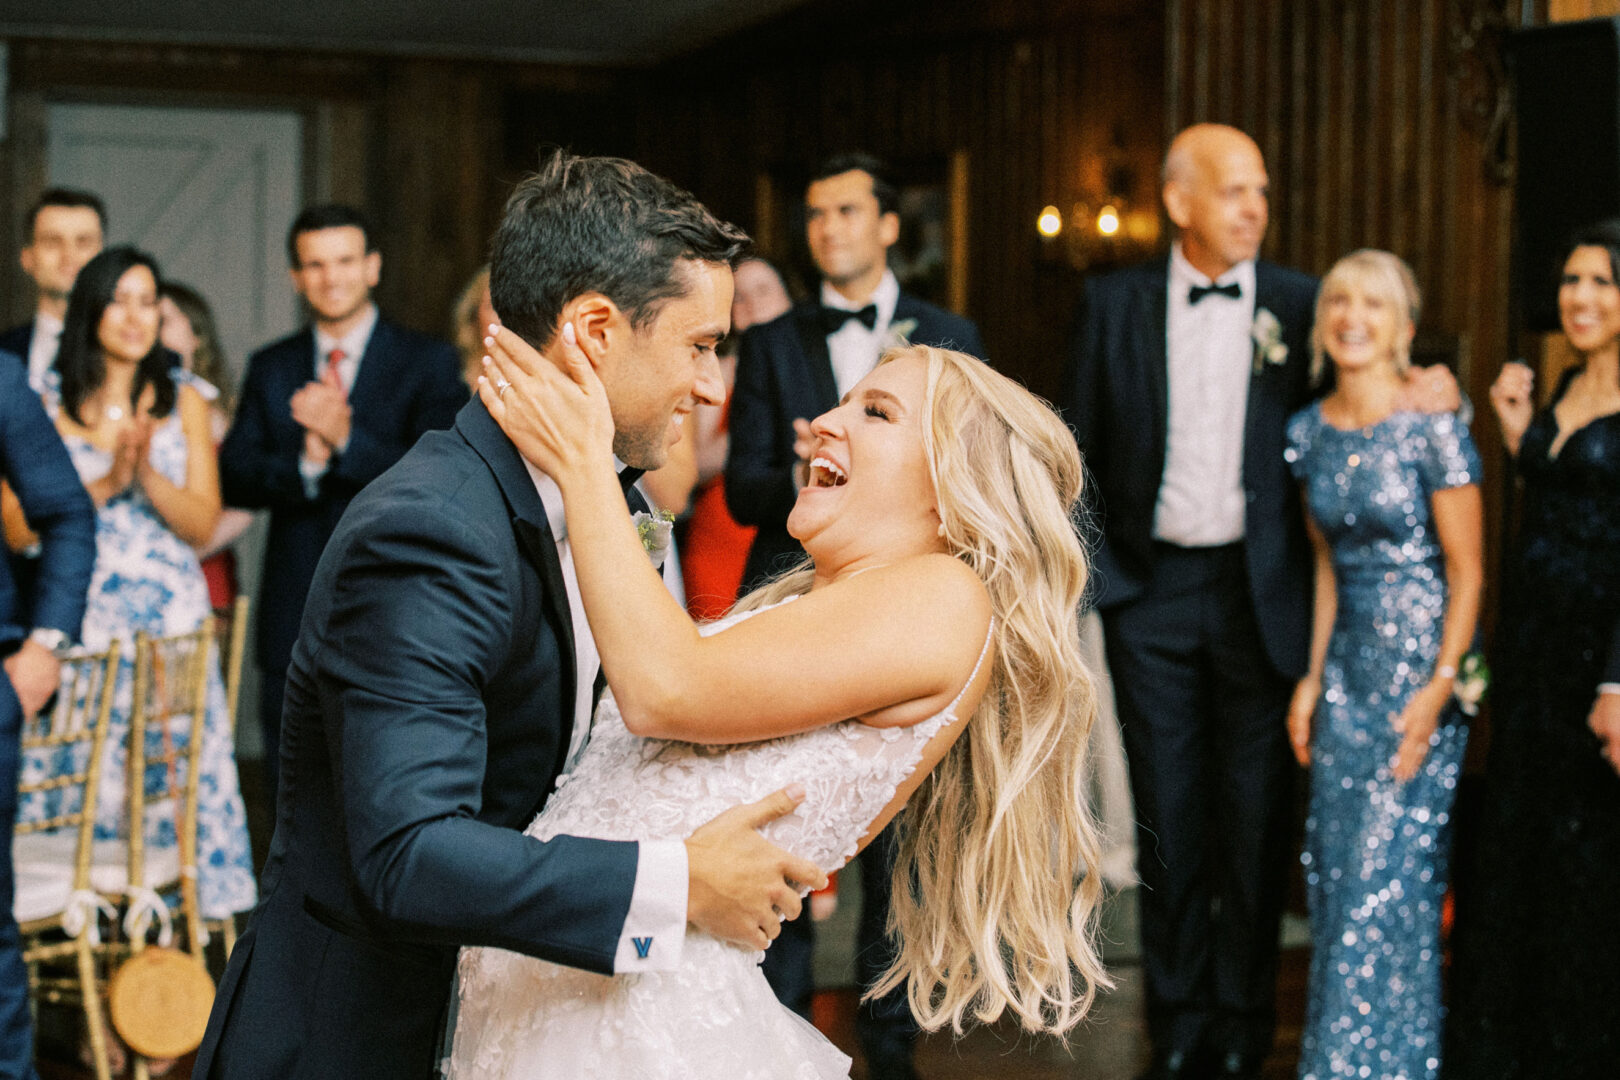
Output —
(1082, 408)
(253, 472)
(36, 464)
(760, 488)
(1611, 670)
(437, 393)
(421, 613)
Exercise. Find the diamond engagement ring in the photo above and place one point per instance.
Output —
(502, 387)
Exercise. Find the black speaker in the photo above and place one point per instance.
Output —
(1567, 87)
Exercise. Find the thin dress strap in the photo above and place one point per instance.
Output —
(989, 636)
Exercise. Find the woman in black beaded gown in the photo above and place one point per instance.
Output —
(1537, 977)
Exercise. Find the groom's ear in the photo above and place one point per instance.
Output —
(597, 323)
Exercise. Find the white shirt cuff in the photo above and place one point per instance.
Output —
(311, 474)
(655, 928)
(1609, 688)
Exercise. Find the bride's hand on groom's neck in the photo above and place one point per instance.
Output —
(742, 888)
(553, 408)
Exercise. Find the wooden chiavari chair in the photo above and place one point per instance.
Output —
(231, 636)
(57, 907)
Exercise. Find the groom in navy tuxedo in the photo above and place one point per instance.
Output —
(444, 679)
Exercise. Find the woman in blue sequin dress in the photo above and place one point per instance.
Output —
(1395, 518)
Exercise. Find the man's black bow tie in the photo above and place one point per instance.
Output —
(1198, 292)
(833, 319)
(628, 476)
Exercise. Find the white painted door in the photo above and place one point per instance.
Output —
(209, 192)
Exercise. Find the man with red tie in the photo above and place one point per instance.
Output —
(323, 412)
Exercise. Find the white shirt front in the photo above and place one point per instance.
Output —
(853, 349)
(42, 349)
(658, 900)
(1201, 500)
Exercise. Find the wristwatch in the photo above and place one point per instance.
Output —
(55, 640)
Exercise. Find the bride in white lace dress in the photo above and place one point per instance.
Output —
(926, 658)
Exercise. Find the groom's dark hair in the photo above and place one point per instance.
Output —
(598, 224)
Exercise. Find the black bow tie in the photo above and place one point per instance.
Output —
(1198, 292)
(628, 476)
(833, 319)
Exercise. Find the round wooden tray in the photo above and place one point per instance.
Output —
(159, 1002)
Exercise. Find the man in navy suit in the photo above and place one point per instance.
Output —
(789, 371)
(323, 412)
(1179, 393)
(66, 229)
(36, 465)
(444, 679)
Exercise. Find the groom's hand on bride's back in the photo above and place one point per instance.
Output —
(742, 887)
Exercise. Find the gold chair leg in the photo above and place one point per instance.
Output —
(91, 995)
(228, 932)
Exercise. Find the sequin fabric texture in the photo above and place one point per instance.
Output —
(1376, 850)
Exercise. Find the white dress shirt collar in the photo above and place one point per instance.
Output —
(353, 343)
(42, 347)
(1184, 275)
(884, 297)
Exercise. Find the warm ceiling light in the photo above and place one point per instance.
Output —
(1108, 221)
(1050, 223)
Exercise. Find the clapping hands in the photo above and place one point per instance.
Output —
(321, 408)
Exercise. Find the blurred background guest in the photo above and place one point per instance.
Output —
(323, 412)
(1538, 941)
(65, 230)
(138, 433)
(1396, 522)
(469, 323)
(188, 330)
(713, 546)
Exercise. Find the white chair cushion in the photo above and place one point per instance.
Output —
(44, 867)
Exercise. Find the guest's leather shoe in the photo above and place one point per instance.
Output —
(1175, 1065)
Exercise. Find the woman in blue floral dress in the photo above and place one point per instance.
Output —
(138, 433)
(1395, 518)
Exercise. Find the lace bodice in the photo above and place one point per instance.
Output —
(629, 788)
(713, 1015)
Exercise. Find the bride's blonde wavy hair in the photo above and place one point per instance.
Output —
(997, 883)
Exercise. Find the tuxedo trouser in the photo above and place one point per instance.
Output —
(1202, 712)
(16, 1035)
(884, 1026)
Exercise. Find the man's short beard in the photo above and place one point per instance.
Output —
(640, 448)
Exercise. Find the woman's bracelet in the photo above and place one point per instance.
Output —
(1445, 671)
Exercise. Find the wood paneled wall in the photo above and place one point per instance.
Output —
(1375, 117)
(1029, 93)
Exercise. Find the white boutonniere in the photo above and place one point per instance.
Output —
(899, 333)
(656, 530)
(1472, 682)
(1268, 343)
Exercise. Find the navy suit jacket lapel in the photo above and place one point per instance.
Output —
(373, 379)
(1153, 339)
(533, 530)
(817, 358)
(1266, 389)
